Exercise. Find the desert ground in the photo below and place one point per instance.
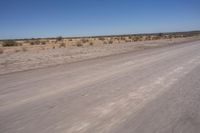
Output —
(20, 55)
(156, 90)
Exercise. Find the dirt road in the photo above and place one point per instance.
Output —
(150, 91)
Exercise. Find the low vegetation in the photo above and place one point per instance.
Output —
(59, 38)
(79, 44)
(60, 42)
(1, 51)
(9, 43)
(84, 40)
(110, 42)
(62, 45)
(35, 42)
(91, 43)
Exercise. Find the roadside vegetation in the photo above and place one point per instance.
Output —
(61, 42)
(9, 43)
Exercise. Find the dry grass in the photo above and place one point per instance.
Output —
(17, 50)
(59, 39)
(91, 43)
(110, 42)
(105, 42)
(1, 51)
(79, 44)
(43, 42)
(60, 42)
(9, 43)
(84, 40)
(62, 45)
(101, 38)
(35, 42)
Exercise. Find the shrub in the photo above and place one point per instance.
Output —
(43, 43)
(170, 36)
(110, 42)
(137, 38)
(36, 42)
(123, 38)
(105, 42)
(59, 38)
(160, 34)
(79, 44)
(101, 38)
(156, 38)
(62, 45)
(148, 38)
(84, 40)
(127, 40)
(9, 43)
(91, 43)
(1, 51)
(17, 50)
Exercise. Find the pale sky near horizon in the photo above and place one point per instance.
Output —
(51, 18)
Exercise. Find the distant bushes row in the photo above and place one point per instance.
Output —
(9, 43)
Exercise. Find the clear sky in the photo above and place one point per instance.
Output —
(51, 18)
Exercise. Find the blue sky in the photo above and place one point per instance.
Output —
(51, 18)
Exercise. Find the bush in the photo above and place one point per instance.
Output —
(105, 42)
(148, 38)
(110, 42)
(136, 38)
(62, 45)
(127, 40)
(156, 38)
(101, 38)
(9, 43)
(91, 43)
(123, 38)
(79, 44)
(43, 43)
(36, 42)
(85, 40)
(160, 34)
(17, 50)
(59, 38)
(1, 51)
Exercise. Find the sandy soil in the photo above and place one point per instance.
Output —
(21, 61)
(149, 91)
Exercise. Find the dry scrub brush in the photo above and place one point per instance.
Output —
(1, 51)
(62, 45)
(9, 43)
(84, 40)
(79, 44)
